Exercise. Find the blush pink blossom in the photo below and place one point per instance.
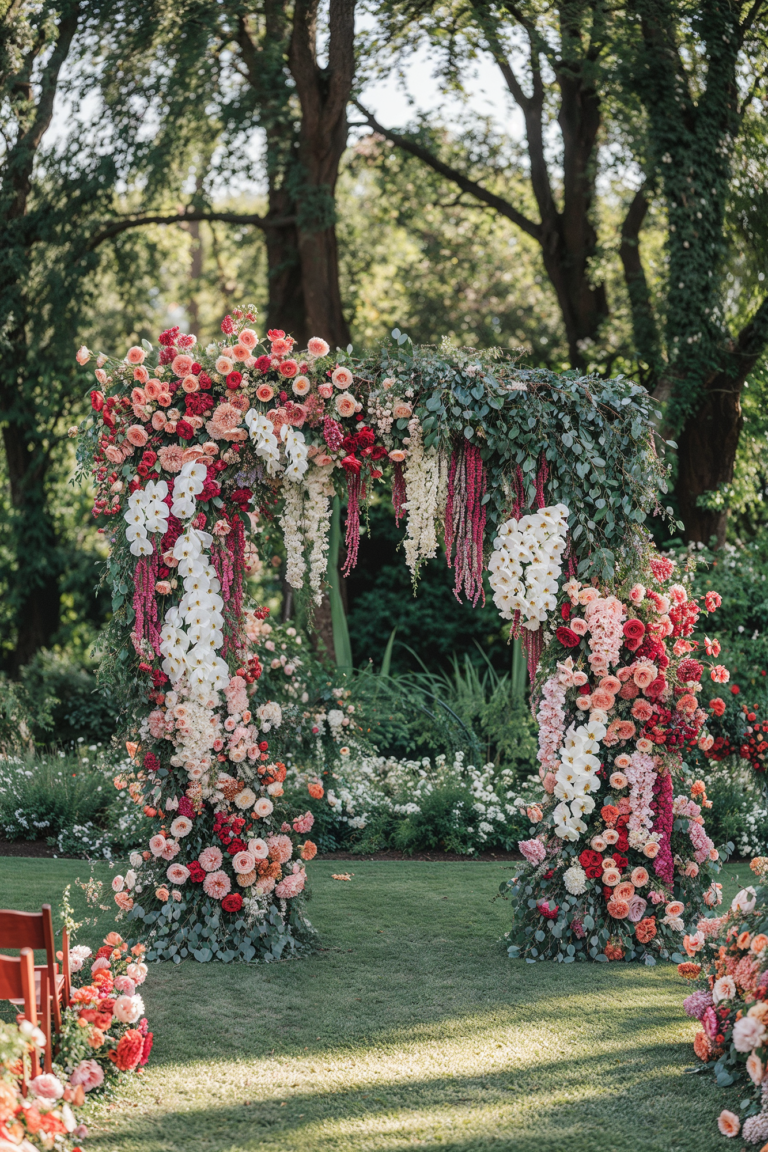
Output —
(290, 886)
(533, 851)
(217, 885)
(210, 859)
(89, 1073)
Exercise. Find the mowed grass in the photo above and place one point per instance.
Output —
(411, 1028)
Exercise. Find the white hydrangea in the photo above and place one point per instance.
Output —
(575, 880)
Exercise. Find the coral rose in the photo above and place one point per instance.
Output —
(646, 930)
(624, 891)
(181, 365)
(639, 877)
(135, 355)
(642, 710)
(619, 909)
(316, 790)
(129, 1050)
(702, 1047)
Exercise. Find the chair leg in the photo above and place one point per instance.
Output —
(45, 1019)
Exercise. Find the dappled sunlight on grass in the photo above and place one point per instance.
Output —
(411, 1028)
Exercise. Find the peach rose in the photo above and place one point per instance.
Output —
(728, 1123)
(619, 909)
(190, 383)
(618, 780)
(240, 352)
(603, 700)
(82, 355)
(687, 704)
(579, 626)
(397, 455)
(598, 844)
(135, 355)
(629, 691)
(644, 675)
(624, 891)
(610, 835)
(401, 410)
(288, 368)
(165, 399)
(625, 730)
(264, 392)
(345, 404)
(651, 850)
(317, 347)
(223, 365)
(158, 421)
(153, 388)
(611, 684)
(622, 761)
(612, 877)
(342, 378)
(644, 745)
(675, 908)
(141, 375)
(248, 338)
(136, 436)
(182, 365)
(300, 386)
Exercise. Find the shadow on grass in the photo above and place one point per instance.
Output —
(556, 1106)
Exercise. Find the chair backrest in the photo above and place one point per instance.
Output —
(33, 930)
(17, 982)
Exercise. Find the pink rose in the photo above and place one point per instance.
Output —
(89, 1073)
(136, 435)
(135, 355)
(47, 1087)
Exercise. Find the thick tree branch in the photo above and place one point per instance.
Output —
(21, 164)
(118, 226)
(503, 207)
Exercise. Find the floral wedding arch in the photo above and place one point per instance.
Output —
(543, 480)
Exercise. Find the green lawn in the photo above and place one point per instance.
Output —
(410, 1028)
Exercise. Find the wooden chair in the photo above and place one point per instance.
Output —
(17, 984)
(35, 930)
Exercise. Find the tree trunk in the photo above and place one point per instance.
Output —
(706, 457)
(323, 95)
(33, 584)
(287, 306)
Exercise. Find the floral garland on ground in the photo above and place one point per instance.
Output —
(42, 1117)
(191, 448)
(618, 856)
(728, 960)
(105, 1034)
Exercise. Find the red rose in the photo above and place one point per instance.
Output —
(196, 369)
(233, 902)
(634, 629)
(351, 464)
(567, 637)
(184, 430)
(234, 380)
(590, 859)
(620, 861)
(97, 401)
(594, 871)
(242, 497)
(656, 688)
(717, 705)
(149, 458)
(203, 380)
(565, 611)
(735, 689)
(143, 470)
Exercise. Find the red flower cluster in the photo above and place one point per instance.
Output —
(567, 636)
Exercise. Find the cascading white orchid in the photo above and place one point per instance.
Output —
(146, 513)
(526, 565)
(576, 778)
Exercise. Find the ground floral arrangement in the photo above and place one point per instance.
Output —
(728, 960)
(44, 1116)
(526, 473)
(619, 857)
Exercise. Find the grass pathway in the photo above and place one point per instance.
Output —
(411, 1028)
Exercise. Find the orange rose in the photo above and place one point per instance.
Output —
(646, 930)
(624, 891)
(619, 909)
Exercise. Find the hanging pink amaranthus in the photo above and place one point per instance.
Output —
(399, 495)
(228, 563)
(465, 521)
(144, 602)
(333, 433)
(352, 526)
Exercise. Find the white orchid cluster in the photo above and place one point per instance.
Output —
(189, 484)
(576, 779)
(526, 565)
(263, 436)
(147, 512)
(296, 450)
(194, 651)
